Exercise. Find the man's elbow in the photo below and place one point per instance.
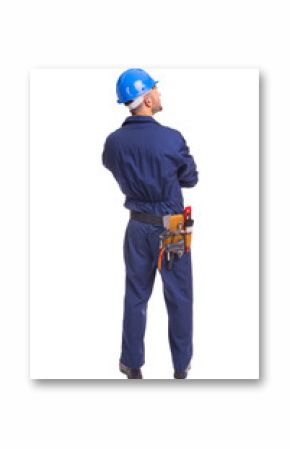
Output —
(105, 160)
(190, 182)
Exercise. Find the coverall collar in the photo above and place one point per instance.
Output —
(139, 119)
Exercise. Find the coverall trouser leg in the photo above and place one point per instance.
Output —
(141, 247)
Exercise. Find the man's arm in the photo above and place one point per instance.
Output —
(106, 154)
(187, 172)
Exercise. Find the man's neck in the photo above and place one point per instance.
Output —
(142, 113)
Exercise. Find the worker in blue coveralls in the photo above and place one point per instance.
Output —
(151, 163)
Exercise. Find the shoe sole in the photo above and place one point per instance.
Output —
(126, 373)
(184, 374)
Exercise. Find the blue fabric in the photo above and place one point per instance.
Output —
(141, 247)
(151, 163)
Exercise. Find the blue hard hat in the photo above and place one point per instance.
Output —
(132, 83)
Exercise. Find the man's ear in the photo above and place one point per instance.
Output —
(148, 100)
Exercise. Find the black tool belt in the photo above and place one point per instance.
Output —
(146, 218)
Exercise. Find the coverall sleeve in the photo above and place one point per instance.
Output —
(109, 158)
(110, 152)
(187, 172)
(106, 154)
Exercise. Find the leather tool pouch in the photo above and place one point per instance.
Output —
(173, 224)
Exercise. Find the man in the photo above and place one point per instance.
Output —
(151, 163)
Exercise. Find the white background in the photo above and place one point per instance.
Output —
(92, 414)
(77, 224)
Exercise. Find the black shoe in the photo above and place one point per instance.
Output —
(131, 373)
(181, 374)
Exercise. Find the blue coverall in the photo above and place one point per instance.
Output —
(151, 163)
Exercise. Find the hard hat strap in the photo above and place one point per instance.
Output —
(135, 103)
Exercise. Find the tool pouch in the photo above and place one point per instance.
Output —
(173, 240)
(187, 240)
(176, 230)
(188, 224)
(174, 223)
(187, 235)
